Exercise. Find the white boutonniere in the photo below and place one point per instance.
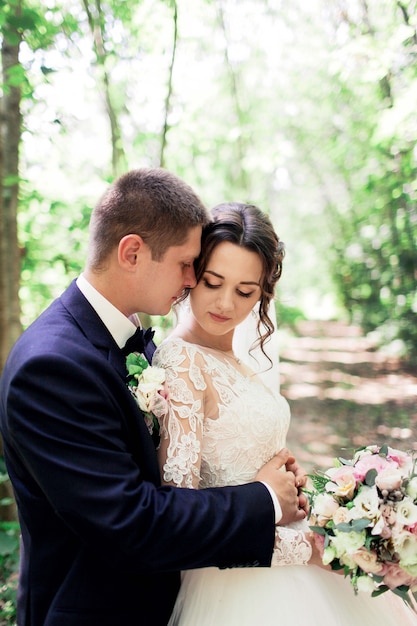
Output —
(147, 384)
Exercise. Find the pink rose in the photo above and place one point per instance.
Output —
(372, 461)
(394, 576)
(389, 479)
(319, 542)
(402, 459)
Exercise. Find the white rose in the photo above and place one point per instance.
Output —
(412, 488)
(365, 584)
(149, 383)
(405, 545)
(329, 554)
(366, 504)
(324, 507)
(406, 512)
(153, 376)
(347, 543)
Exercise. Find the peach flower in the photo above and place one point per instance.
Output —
(367, 561)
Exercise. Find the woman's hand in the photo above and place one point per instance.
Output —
(300, 481)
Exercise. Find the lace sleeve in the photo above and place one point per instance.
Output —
(181, 428)
(291, 546)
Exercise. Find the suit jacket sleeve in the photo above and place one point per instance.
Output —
(77, 432)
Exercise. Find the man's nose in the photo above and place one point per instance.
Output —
(189, 277)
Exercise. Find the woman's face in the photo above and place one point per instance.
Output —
(228, 289)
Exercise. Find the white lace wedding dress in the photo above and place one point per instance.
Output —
(223, 425)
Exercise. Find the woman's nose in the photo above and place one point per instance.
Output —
(225, 301)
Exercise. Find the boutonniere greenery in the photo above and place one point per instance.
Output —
(147, 385)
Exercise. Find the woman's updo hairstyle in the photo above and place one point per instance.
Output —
(248, 227)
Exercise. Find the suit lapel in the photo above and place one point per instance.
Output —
(93, 327)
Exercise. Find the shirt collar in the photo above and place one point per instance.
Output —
(119, 326)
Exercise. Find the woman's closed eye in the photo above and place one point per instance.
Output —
(244, 294)
(210, 285)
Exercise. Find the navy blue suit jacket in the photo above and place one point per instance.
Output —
(102, 541)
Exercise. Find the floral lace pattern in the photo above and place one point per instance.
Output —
(291, 546)
(222, 425)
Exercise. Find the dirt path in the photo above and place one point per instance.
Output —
(344, 393)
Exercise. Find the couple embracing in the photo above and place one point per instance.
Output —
(107, 521)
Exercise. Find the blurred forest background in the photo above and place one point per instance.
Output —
(307, 109)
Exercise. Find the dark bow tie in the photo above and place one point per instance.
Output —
(138, 341)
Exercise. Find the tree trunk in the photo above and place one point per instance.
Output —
(96, 22)
(10, 135)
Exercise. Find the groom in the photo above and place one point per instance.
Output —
(102, 541)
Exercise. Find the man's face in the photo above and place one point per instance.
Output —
(165, 280)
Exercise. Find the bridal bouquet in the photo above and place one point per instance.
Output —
(363, 512)
(147, 385)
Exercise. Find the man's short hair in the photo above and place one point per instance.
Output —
(152, 203)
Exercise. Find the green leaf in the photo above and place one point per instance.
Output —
(370, 477)
(357, 525)
(383, 451)
(135, 364)
(319, 481)
(319, 530)
(8, 543)
(382, 589)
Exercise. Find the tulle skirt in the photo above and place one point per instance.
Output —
(295, 595)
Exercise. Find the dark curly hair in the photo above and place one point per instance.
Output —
(245, 225)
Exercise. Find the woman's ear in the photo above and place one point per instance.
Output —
(130, 246)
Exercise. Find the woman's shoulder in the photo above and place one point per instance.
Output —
(174, 351)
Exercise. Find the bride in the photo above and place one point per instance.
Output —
(223, 424)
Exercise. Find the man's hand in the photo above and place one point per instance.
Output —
(284, 484)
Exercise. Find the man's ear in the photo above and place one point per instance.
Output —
(130, 246)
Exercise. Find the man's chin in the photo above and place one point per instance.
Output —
(162, 311)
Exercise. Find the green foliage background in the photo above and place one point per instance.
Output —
(307, 109)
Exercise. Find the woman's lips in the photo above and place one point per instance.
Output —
(219, 318)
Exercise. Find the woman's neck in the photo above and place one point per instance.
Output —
(190, 331)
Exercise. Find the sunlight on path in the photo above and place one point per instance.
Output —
(344, 393)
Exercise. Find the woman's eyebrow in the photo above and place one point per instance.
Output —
(214, 274)
(242, 282)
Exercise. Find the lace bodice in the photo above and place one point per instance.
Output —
(223, 424)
